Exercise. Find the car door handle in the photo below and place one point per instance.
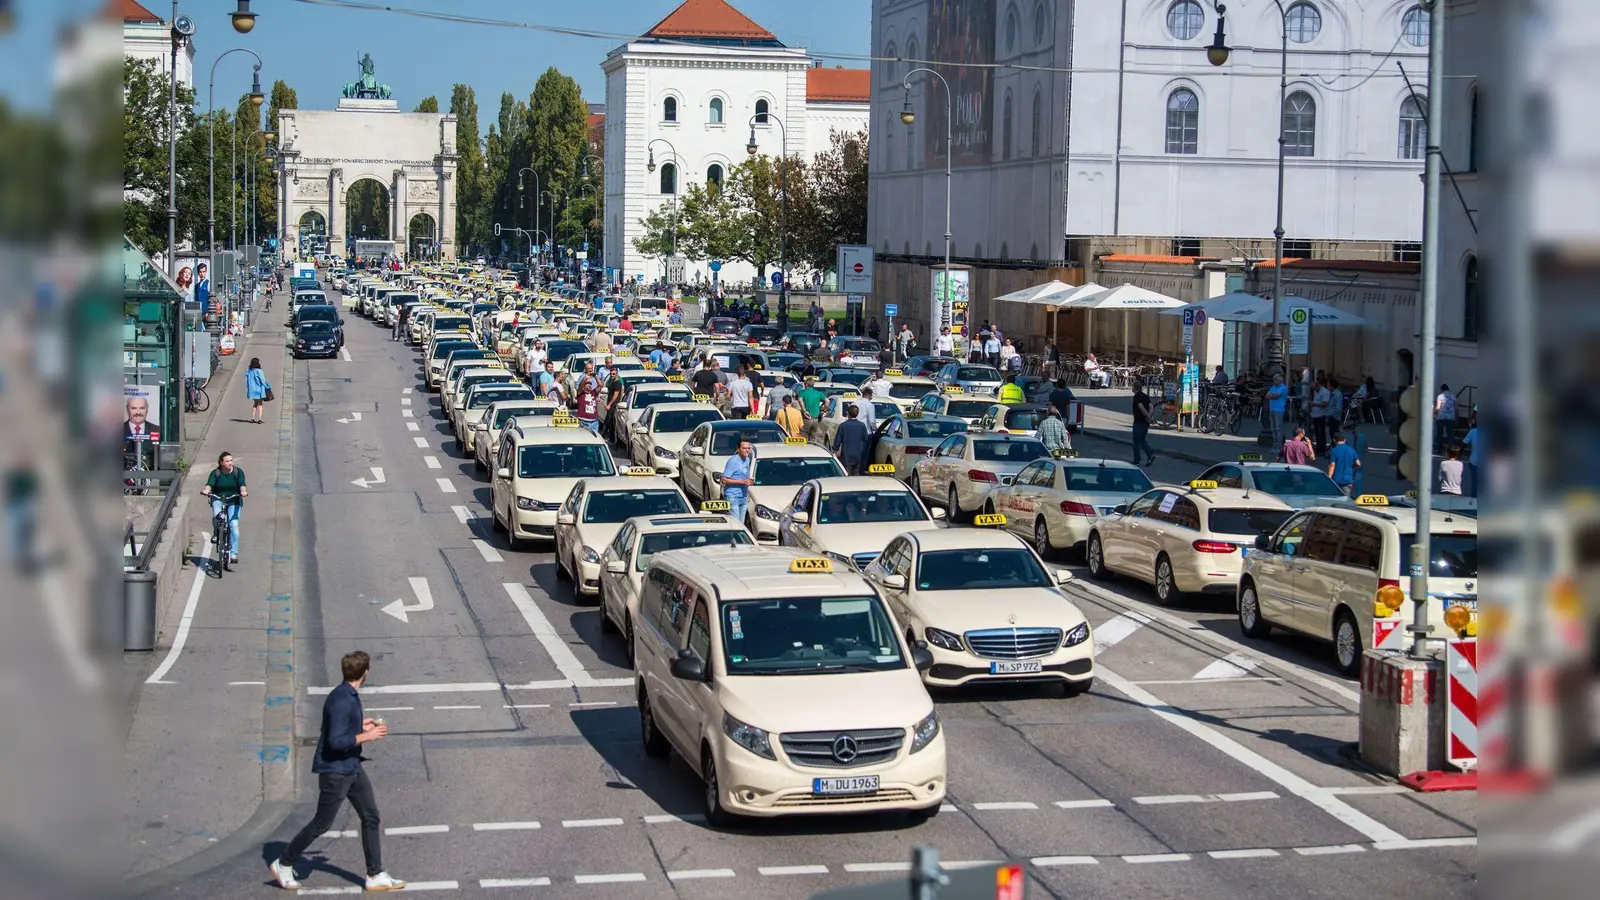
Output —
(1297, 568)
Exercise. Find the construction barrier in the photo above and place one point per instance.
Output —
(1461, 694)
(1389, 634)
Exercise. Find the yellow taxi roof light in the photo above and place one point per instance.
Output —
(1202, 485)
(983, 520)
(795, 440)
(1372, 500)
(715, 506)
(880, 469)
(809, 564)
(639, 470)
(1249, 457)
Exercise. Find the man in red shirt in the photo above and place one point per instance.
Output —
(587, 399)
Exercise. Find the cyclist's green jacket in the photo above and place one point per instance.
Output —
(226, 484)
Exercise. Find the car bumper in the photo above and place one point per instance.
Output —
(752, 786)
(765, 530)
(1069, 531)
(588, 580)
(972, 494)
(953, 669)
(535, 524)
(1219, 575)
(667, 467)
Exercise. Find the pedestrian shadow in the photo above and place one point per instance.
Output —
(312, 861)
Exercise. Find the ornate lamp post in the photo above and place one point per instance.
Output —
(522, 187)
(909, 116)
(783, 209)
(677, 173)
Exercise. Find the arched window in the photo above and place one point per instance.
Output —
(889, 51)
(1299, 125)
(1471, 300)
(1183, 122)
(1005, 126)
(669, 109)
(1414, 26)
(912, 51)
(669, 178)
(1303, 23)
(1011, 29)
(1036, 137)
(716, 110)
(1474, 134)
(1413, 129)
(1185, 19)
(761, 112)
(1041, 23)
(714, 174)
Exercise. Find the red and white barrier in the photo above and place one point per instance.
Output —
(1461, 695)
(1388, 634)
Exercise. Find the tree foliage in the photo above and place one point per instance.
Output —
(472, 223)
(837, 194)
(428, 105)
(145, 132)
(367, 211)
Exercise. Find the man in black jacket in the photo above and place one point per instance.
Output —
(337, 764)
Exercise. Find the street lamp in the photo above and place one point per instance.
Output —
(549, 236)
(600, 195)
(211, 115)
(650, 166)
(522, 187)
(783, 208)
(908, 116)
(243, 19)
(1217, 53)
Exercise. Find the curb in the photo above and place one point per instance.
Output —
(1128, 442)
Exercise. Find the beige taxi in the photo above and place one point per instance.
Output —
(500, 415)
(588, 519)
(902, 440)
(450, 388)
(1183, 539)
(1332, 569)
(473, 402)
(851, 519)
(987, 606)
(823, 428)
(778, 471)
(904, 391)
(782, 680)
(1056, 501)
(535, 471)
(960, 472)
(658, 438)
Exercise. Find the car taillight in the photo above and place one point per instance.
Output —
(980, 475)
(1074, 508)
(913, 451)
(1215, 546)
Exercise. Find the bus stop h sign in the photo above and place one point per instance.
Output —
(855, 268)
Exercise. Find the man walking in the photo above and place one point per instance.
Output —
(850, 442)
(790, 419)
(337, 764)
(1320, 398)
(1277, 405)
(944, 344)
(1343, 462)
(735, 480)
(1142, 419)
(1053, 434)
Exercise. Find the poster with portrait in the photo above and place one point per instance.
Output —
(962, 32)
(141, 421)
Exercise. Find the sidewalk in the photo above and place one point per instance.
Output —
(207, 756)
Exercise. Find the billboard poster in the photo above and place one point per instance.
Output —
(958, 296)
(962, 31)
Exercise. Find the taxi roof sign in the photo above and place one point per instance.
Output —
(988, 519)
(880, 469)
(715, 506)
(1372, 500)
(893, 371)
(1064, 454)
(952, 389)
(795, 440)
(639, 471)
(564, 421)
(914, 412)
(675, 378)
(1199, 485)
(1249, 457)
(810, 564)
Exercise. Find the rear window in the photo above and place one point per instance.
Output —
(647, 399)
(1024, 420)
(502, 416)
(968, 409)
(318, 313)
(1107, 480)
(1295, 481)
(651, 544)
(795, 470)
(480, 399)
(722, 326)
(855, 377)
(977, 373)
(451, 323)
(726, 441)
(556, 351)
(620, 506)
(1449, 555)
(1247, 521)
(901, 390)
(935, 429)
(1008, 451)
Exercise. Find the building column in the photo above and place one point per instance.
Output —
(400, 213)
(446, 224)
(336, 242)
(290, 226)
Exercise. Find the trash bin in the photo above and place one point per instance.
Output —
(138, 611)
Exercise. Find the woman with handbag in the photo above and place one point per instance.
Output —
(255, 384)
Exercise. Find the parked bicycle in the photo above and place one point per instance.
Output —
(195, 398)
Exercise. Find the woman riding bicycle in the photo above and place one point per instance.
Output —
(225, 486)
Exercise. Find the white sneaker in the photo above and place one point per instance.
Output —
(383, 881)
(284, 875)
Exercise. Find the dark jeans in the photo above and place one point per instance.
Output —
(335, 789)
(1140, 443)
(1319, 434)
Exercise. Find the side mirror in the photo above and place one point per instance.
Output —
(894, 582)
(1063, 576)
(617, 567)
(688, 667)
(639, 429)
(695, 451)
(1120, 509)
(800, 517)
(566, 519)
(921, 656)
(1263, 542)
(483, 426)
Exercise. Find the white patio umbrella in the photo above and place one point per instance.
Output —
(1242, 307)
(1127, 298)
(1041, 294)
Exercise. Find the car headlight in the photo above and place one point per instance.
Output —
(589, 556)
(768, 513)
(665, 453)
(944, 639)
(923, 733)
(525, 503)
(1076, 636)
(748, 736)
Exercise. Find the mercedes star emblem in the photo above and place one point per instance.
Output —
(845, 749)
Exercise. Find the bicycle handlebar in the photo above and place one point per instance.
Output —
(230, 499)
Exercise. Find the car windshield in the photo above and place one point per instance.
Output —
(620, 506)
(722, 326)
(967, 409)
(1024, 420)
(883, 410)
(506, 414)
(976, 373)
(564, 461)
(1247, 521)
(661, 542)
(784, 360)
(556, 351)
(808, 635)
(980, 568)
(476, 378)
(726, 441)
(1296, 481)
(934, 429)
(1107, 479)
(486, 396)
(647, 399)
(907, 390)
(444, 349)
(1008, 451)
(319, 329)
(860, 345)
(1450, 555)
(795, 470)
(854, 507)
(761, 333)
(683, 420)
(773, 379)
(854, 377)
(451, 323)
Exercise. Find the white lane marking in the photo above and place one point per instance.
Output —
(947, 807)
(1333, 850)
(406, 400)
(1045, 862)
(433, 462)
(793, 870)
(1007, 804)
(345, 353)
(399, 608)
(1205, 798)
(1084, 804)
(1148, 612)
(1114, 631)
(415, 829)
(1258, 853)
(592, 703)
(458, 707)
(513, 882)
(410, 886)
(389, 708)
(1269, 678)
(561, 654)
(340, 834)
(617, 878)
(488, 553)
(236, 683)
(1425, 843)
(412, 426)
(1247, 795)
(1234, 665)
(505, 826)
(406, 392)
(407, 412)
(667, 818)
(58, 610)
(527, 706)
(694, 874)
(969, 863)
(1157, 858)
(182, 636)
(463, 515)
(878, 867)
(350, 417)
(1366, 789)
(1285, 779)
(445, 485)
(421, 442)
(1169, 798)
(589, 823)
(478, 687)
(377, 478)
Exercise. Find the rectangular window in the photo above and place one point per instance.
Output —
(1296, 249)
(1183, 131)
(1185, 246)
(1406, 253)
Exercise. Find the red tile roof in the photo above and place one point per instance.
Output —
(131, 11)
(1347, 265)
(853, 85)
(708, 19)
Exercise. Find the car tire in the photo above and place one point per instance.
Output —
(952, 511)
(627, 636)
(1347, 649)
(1095, 558)
(915, 483)
(494, 521)
(655, 742)
(1167, 593)
(717, 816)
(1251, 621)
(477, 464)
(1041, 538)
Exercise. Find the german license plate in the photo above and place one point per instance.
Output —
(1014, 667)
(854, 784)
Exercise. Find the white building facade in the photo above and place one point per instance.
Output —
(684, 96)
(146, 35)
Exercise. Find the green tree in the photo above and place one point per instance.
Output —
(837, 192)
(367, 211)
(280, 98)
(558, 138)
(665, 229)
(428, 105)
(145, 134)
(472, 214)
(768, 207)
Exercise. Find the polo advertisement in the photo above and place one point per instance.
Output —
(964, 31)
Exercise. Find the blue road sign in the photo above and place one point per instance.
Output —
(777, 278)
(889, 309)
(1188, 317)
(716, 265)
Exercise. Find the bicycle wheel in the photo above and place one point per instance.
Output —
(199, 400)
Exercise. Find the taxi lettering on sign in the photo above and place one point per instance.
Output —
(893, 372)
(564, 421)
(715, 506)
(880, 469)
(988, 519)
(675, 378)
(795, 440)
(1199, 485)
(638, 471)
(1249, 457)
(1372, 500)
(808, 564)
(648, 365)
(952, 389)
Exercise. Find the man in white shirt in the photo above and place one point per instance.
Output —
(991, 350)
(740, 394)
(1320, 399)
(879, 385)
(865, 412)
(944, 344)
(1097, 375)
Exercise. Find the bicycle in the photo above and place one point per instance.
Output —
(195, 398)
(221, 533)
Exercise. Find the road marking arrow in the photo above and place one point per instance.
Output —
(419, 586)
(377, 478)
(352, 417)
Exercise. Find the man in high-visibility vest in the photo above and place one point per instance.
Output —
(1011, 392)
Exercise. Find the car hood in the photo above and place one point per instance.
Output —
(549, 490)
(961, 611)
(1301, 501)
(835, 701)
(598, 535)
(671, 440)
(774, 496)
(866, 537)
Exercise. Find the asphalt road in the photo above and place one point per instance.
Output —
(1199, 766)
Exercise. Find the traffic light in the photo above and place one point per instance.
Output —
(1407, 428)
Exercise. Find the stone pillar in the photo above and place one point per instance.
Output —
(336, 243)
(446, 224)
(401, 214)
(290, 225)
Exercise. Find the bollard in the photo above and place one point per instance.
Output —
(1402, 720)
(138, 611)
